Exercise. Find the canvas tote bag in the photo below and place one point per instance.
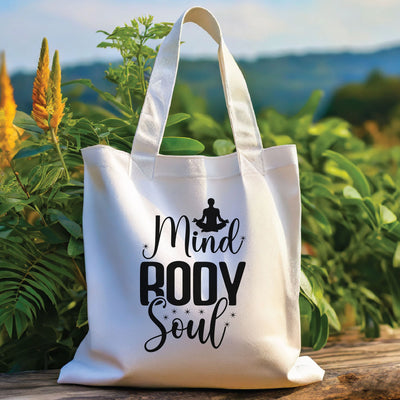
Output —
(192, 262)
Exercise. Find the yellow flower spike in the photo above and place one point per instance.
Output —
(8, 108)
(40, 87)
(55, 105)
(3, 159)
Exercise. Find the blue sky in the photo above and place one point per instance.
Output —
(251, 28)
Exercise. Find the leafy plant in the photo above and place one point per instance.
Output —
(349, 227)
(131, 80)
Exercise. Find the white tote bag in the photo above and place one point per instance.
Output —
(192, 262)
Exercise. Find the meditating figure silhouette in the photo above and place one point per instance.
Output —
(209, 220)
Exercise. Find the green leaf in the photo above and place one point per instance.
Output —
(393, 229)
(387, 216)
(26, 307)
(104, 95)
(4, 233)
(359, 180)
(176, 118)
(305, 319)
(318, 216)
(70, 226)
(44, 288)
(222, 147)
(54, 235)
(103, 45)
(51, 272)
(396, 256)
(324, 192)
(114, 122)
(328, 310)
(391, 276)
(312, 103)
(26, 122)
(372, 321)
(8, 203)
(204, 126)
(51, 178)
(20, 323)
(102, 31)
(322, 221)
(83, 315)
(32, 151)
(350, 193)
(306, 286)
(35, 298)
(43, 177)
(322, 333)
(75, 247)
(281, 140)
(369, 295)
(332, 126)
(181, 146)
(371, 209)
(9, 323)
(322, 143)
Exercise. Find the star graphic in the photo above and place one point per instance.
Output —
(187, 311)
(233, 315)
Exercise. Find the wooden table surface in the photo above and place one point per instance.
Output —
(355, 369)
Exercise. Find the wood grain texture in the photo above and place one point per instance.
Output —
(354, 370)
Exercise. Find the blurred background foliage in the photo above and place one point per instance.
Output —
(348, 155)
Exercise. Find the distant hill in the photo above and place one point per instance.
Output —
(283, 83)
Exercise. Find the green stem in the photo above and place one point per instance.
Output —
(129, 143)
(139, 60)
(127, 85)
(28, 196)
(79, 275)
(141, 69)
(22, 186)
(40, 214)
(55, 141)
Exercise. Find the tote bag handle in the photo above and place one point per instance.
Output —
(153, 118)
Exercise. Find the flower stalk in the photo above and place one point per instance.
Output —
(40, 89)
(55, 104)
(8, 132)
(8, 109)
(54, 138)
(48, 105)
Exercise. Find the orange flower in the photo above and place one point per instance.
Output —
(55, 104)
(8, 108)
(48, 105)
(40, 87)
